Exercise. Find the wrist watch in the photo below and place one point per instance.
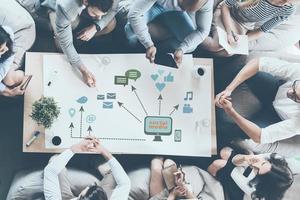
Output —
(97, 27)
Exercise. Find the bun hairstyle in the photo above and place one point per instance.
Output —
(273, 185)
(5, 38)
(94, 192)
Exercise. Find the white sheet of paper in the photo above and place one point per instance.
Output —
(241, 47)
(121, 129)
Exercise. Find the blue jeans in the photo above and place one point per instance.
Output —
(178, 23)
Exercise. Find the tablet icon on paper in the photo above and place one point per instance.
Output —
(108, 105)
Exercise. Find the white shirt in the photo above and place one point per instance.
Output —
(51, 182)
(5, 66)
(287, 109)
(243, 182)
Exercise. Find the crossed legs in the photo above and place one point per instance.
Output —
(156, 178)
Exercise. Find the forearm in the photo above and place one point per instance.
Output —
(171, 196)
(250, 128)
(254, 35)
(226, 18)
(249, 70)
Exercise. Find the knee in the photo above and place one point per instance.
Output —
(225, 153)
(168, 163)
(211, 44)
(215, 166)
(156, 165)
(130, 35)
(13, 77)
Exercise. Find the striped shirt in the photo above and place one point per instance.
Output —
(263, 12)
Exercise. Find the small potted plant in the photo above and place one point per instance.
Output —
(45, 111)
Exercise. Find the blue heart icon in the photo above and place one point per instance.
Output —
(160, 86)
(160, 71)
(154, 77)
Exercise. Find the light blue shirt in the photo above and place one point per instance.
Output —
(5, 66)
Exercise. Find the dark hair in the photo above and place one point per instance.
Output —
(103, 5)
(273, 184)
(5, 38)
(95, 192)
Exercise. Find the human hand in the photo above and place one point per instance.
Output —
(88, 77)
(222, 95)
(226, 105)
(232, 38)
(178, 54)
(87, 33)
(16, 91)
(82, 146)
(251, 159)
(150, 53)
(179, 191)
(179, 178)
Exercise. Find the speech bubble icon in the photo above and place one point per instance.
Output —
(121, 80)
(133, 74)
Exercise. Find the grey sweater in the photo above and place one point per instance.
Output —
(202, 20)
(66, 12)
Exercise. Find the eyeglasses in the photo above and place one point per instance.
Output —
(294, 95)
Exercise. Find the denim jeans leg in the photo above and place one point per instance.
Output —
(179, 24)
(155, 11)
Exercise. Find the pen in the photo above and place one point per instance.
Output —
(234, 36)
(53, 76)
(33, 138)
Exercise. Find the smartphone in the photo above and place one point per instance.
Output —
(177, 135)
(25, 84)
(165, 59)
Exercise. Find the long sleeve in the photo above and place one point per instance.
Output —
(203, 22)
(281, 130)
(4, 68)
(51, 172)
(138, 23)
(122, 189)
(65, 36)
(267, 26)
(294, 164)
(280, 68)
(242, 181)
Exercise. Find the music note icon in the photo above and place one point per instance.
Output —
(189, 96)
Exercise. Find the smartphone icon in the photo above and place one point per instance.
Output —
(177, 135)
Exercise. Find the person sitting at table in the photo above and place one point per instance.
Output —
(188, 22)
(17, 34)
(10, 79)
(253, 18)
(189, 182)
(88, 19)
(265, 176)
(286, 103)
(55, 176)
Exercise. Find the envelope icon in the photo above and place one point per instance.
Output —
(111, 95)
(100, 97)
(108, 105)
